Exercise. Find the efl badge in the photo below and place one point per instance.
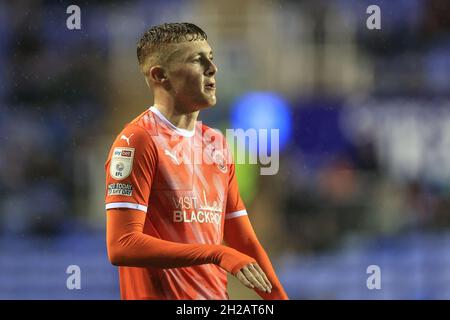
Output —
(121, 163)
(219, 160)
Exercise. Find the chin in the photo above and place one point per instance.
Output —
(206, 104)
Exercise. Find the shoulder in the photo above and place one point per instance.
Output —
(138, 133)
(146, 121)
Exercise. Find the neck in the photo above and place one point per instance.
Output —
(177, 115)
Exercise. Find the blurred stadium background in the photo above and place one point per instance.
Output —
(364, 174)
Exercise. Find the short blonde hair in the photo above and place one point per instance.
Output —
(150, 47)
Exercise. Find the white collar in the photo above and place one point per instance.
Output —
(180, 131)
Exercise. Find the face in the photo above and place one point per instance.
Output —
(191, 73)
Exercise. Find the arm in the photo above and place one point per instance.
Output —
(239, 234)
(128, 246)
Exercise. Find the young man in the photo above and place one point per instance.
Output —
(171, 190)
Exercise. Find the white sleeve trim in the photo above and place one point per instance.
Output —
(129, 205)
(236, 214)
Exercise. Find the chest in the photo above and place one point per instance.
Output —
(194, 169)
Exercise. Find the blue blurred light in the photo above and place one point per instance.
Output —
(263, 110)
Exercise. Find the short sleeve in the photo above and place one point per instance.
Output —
(130, 169)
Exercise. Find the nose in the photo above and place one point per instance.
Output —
(212, 69)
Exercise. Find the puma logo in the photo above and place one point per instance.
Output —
(171, 155)
(124, 137)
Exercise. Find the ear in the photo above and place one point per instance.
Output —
(157, 74)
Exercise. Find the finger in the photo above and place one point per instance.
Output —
(258, 275)
(252, 279)
(264, 275)
(244, 280)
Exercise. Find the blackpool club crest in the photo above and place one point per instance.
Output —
(219, 160)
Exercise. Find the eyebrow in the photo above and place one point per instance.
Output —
(178, 50)
(202, 53)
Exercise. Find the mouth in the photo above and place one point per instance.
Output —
(210, 86)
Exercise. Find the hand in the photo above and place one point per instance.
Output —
(251, 276)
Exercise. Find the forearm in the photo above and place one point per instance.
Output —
(136, 249)
(129, 246)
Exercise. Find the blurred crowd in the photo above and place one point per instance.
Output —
(52, 95)
(335, 179)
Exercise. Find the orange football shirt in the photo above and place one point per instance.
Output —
(185, 181)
